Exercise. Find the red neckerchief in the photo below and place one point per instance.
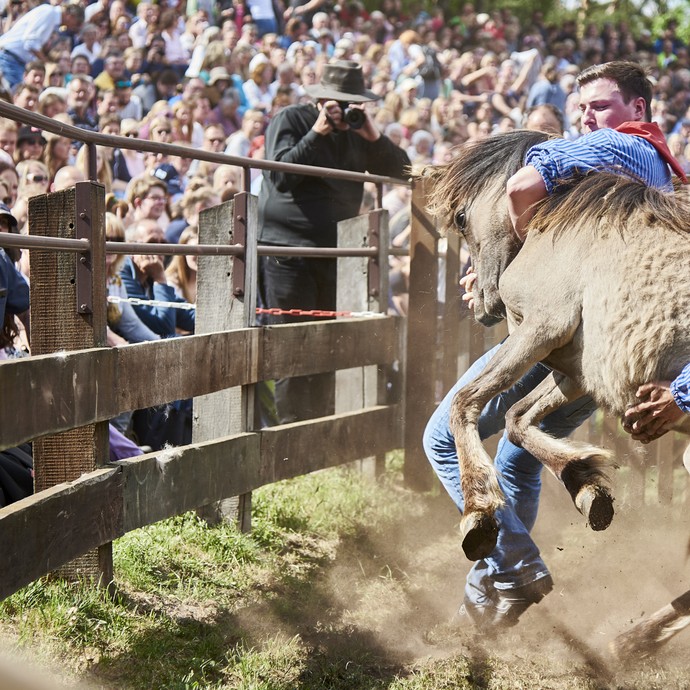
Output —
(651, 132)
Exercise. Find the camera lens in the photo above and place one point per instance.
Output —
(354, 117)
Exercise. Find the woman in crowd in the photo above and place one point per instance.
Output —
(181, 273)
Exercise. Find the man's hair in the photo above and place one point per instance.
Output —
(630, 78)
(74, 9)
(34, 65)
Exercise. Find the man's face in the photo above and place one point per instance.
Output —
(35, 77)
(79, 94)
(214, 139)
(115, 67)
(26, 99)
(603, 106)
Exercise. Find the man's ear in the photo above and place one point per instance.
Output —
(640, 107)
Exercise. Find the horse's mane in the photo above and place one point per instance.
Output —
(609, 200)
(478, 165)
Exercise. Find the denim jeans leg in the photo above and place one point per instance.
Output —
(11, 69)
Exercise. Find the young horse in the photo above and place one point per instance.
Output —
(597, 292)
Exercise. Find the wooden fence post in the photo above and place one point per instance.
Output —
(222, 306)
(420, 381)
(68, 312)
(366, 386)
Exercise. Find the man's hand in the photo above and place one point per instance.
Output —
(467, 282)
(654, 415)
(330, 118)
(151, 266)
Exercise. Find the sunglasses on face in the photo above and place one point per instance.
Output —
(37, 178)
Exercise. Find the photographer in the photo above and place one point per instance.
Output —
(298, 210)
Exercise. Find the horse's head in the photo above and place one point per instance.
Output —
(468, 196)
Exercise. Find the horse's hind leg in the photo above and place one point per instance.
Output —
(581, 467)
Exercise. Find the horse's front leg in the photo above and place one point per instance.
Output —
(482, 494)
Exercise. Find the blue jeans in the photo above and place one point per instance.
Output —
(515, 561)
(12, 68)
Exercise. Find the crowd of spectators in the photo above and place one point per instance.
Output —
(210, 74)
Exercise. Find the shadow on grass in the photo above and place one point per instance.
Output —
(301, 631)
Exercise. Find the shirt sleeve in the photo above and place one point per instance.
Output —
(602, 150)
(680, 389)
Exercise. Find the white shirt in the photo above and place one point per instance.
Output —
(32, 32)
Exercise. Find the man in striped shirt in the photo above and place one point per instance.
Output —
(615, 103)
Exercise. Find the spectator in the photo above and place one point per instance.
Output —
(80, 95)
(144, 277)
(253, 124)
(181, 273)
(287, 203)
(226, 113)
(67, 177)
(148, 197)
(8, 136)
(26, 96)
(29, 37)
(113, 71)
(544, 118)
(10, 179)
(193, 202)
(57, 153)
(124, 326)
(89, 47)
(257, 88)
(30, 144)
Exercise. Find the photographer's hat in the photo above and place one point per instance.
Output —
(342, 80)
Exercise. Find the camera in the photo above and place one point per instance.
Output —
(353, 116)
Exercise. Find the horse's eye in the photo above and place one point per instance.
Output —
(460, 220)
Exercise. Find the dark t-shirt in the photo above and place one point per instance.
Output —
(301, 210)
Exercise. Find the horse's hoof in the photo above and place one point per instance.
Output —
(480, 533)
(596, 504)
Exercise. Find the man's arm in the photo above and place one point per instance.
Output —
(525, 188)
(663, 403)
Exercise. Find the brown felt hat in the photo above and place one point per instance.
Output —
(342, 80)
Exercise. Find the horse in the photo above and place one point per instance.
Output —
(598, 292)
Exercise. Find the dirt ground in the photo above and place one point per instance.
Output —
(396, 595)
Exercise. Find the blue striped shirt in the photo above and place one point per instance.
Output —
(602, 150)
(680, 389)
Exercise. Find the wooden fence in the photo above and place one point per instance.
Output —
(62, 397)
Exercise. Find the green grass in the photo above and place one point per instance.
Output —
(179, 583)
(341, 585)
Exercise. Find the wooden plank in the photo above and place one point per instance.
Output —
(160, 485)
(49, 529)
(167, 370)
(421, 339)
(329, 345)
(52, 393)
(292, 450)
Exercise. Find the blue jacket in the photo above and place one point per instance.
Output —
(161, 320)
(14, 290)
